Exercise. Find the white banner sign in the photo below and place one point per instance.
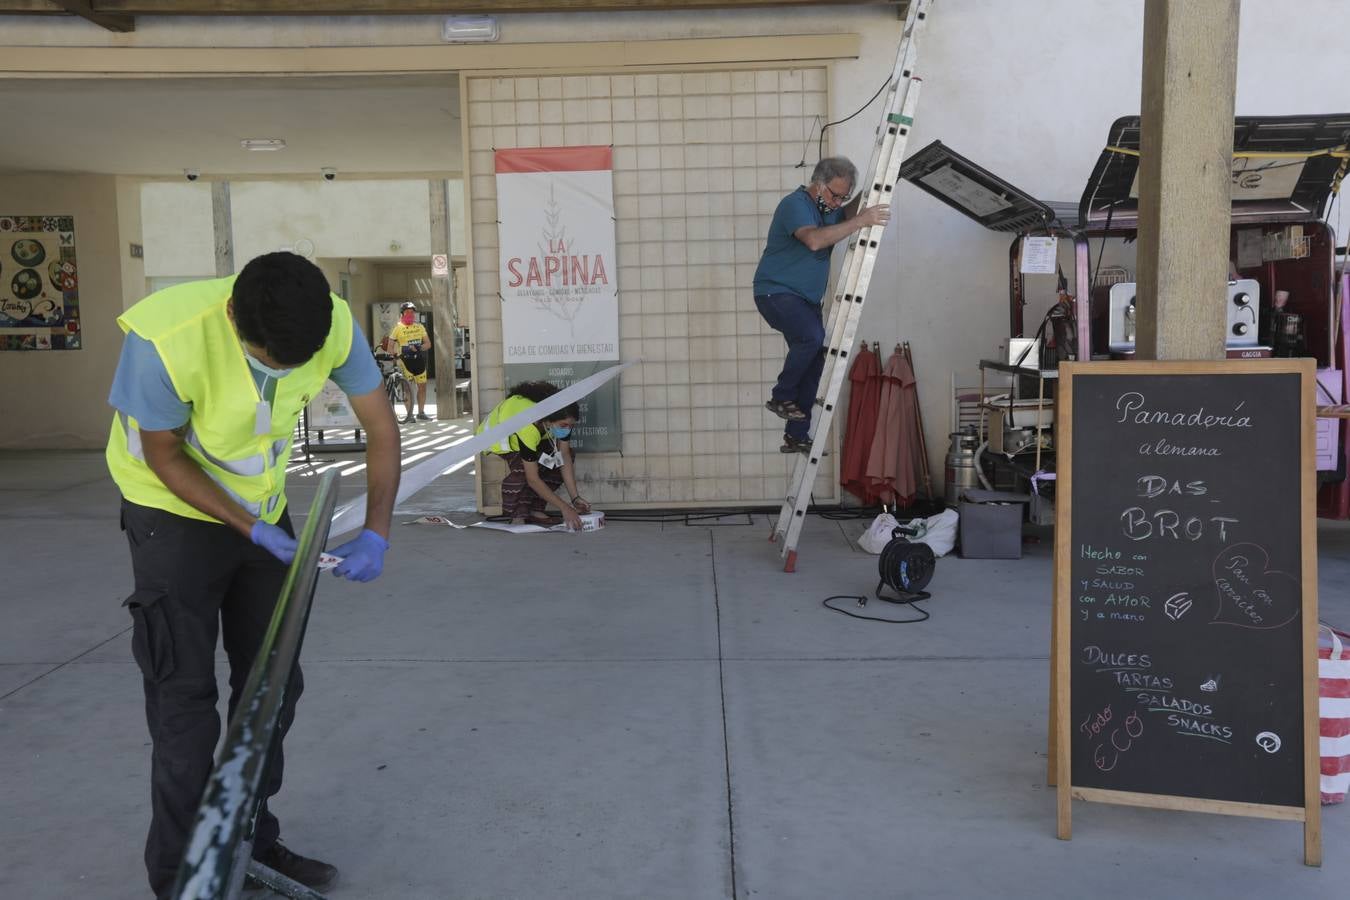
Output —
(560, 301)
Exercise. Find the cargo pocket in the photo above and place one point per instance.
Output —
(151, 638)
(140, 524)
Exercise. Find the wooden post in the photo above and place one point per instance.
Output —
(1312, 722)
(1185, 167)
(443, 304)
(223, 226)
(1061, 632)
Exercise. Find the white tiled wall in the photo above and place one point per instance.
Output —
(701, 160)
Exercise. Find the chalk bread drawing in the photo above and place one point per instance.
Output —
(1177, 605)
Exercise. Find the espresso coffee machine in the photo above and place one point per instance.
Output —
(1114, 310)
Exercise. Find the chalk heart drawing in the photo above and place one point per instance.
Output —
(1250, 595)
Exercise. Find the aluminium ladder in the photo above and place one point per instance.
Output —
(854, 277)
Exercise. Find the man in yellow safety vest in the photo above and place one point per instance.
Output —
(211, 382)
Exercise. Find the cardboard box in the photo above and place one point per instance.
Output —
(991, 524)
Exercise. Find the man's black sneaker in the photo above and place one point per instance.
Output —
(310, 872)
(423, 417)
(794, 445)
(785, 409)
(408, 419)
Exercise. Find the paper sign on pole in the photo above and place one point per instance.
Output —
(1039, 255)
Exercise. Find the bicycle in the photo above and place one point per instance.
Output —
(396, 387)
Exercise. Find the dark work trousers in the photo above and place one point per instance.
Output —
(194, 579)
(799, 321)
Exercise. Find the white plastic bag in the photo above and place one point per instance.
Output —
(940, 533)
(879, 533)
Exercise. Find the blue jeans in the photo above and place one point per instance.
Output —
(799, 321)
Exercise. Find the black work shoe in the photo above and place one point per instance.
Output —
(310, 872)
(794, 445)
(785, 409)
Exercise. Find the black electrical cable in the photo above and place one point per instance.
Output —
(834, 512)
(905, 568)
(1110, 210)
(820, 143)
(862, 601)
(806, 142)
(849, 513)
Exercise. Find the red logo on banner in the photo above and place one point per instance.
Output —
(558, 267)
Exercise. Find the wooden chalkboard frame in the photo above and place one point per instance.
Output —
(1060, 774)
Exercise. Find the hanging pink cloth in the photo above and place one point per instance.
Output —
(893, 459)
(864, 398)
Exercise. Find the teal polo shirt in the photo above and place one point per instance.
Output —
(788, 266)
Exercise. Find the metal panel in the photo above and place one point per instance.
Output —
(980, 194)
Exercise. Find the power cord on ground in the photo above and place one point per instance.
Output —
(905, 568)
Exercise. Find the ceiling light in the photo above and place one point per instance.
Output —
(263, 144)
(469, 29)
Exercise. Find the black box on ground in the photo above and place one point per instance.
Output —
(991, 524)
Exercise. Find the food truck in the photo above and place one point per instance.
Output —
(1281, 294)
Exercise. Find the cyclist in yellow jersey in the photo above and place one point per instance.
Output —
(410, 342)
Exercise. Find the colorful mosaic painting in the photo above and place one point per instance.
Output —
(39, 284)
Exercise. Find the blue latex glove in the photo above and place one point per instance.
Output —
(274, 540)
(363, 558)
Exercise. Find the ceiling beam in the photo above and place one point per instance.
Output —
(65, 62)
(113, 21)
(105, 11)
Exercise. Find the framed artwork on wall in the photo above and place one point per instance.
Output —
(39, 284)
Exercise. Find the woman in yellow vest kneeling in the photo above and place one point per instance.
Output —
(539, 457)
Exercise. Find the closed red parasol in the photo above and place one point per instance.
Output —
(864, 398)
(893, 459)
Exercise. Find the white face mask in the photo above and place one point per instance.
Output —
(265, 369)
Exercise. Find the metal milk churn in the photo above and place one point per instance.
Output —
(960, 471)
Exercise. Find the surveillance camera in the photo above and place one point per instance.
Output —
(191, 174)
(329, 173)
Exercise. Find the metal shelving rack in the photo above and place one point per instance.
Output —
(1041, 376)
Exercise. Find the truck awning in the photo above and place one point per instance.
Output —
(1284, 169)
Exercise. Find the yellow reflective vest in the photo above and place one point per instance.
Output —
(529, 436)
(205, 361)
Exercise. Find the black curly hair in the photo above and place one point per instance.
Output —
(281, 303)
(539, 391)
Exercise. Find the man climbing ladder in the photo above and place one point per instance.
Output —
(791, 279)
(881, 176)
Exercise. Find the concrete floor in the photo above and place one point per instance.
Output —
(649, 711)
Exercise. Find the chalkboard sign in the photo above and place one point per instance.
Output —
(1186, 588)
